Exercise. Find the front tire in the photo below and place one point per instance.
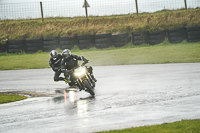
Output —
(88, 87)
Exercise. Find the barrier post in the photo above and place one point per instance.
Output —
(41, 11)
(86, 12)
(136, 7)
(185, 4)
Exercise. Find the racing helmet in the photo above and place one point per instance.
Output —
(54, 54)
(66, 53)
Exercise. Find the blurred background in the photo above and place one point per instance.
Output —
(31, 9)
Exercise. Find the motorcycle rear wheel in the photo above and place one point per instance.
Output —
(88, 87)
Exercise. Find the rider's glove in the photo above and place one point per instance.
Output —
(56, 69)
(83, 64)
(86, 61)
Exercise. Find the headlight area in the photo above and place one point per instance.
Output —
(79, 72)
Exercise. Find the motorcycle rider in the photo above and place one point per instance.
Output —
(70, 62)
(55, 63)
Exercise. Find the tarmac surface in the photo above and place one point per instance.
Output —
(126, 96)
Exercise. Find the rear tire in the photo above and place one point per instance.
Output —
(88, 87)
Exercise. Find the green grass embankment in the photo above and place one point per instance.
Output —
(184, 126)
(52, 27)
(127, 55)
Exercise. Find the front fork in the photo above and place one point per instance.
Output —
(80, 80)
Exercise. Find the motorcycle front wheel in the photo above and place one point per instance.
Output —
(88, 87)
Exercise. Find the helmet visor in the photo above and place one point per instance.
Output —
(67, 56)
(54, 57)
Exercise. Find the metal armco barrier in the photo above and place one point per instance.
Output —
(16, 46)
(86, 41)
(103, 40)
(2, 48)
(100, 41)
(33, 45)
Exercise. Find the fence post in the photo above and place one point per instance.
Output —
(136, 7)
(86, 11)
(185, 4)
(41, 11)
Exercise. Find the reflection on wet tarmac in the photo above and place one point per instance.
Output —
(72, 96)
(74, 103)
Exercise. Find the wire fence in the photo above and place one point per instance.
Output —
(74, 8)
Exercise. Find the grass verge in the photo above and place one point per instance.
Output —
(184, 126)
(52, 27)
(6, 98)
(130, 54)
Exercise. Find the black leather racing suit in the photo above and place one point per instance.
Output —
(56, 66)
(72, 63)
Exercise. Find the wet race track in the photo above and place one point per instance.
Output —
(126, 96)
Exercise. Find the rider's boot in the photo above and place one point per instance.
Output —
(66, 80)
(61, 79)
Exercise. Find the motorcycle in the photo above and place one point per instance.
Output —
(82, 79)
